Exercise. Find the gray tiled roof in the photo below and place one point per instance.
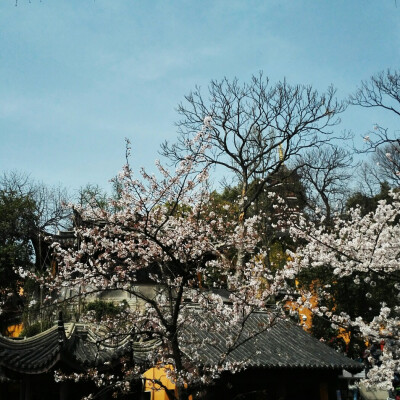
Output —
(37, 354)
(280, 345)
(71, 343)
(88, 349)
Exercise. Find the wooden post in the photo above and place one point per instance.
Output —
(323, 391)
(64, 390)
(25, 393)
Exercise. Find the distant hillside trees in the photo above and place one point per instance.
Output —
(28, 213)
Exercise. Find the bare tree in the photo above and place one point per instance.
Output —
(325, 174)
(380, 91)
(51, 213)
(255, 127)
(387, 164)
(92, 195)
(30, 212)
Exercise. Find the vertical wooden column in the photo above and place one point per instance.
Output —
(21, 390)
(323, 391)
(64, 390)
(25, 392)
(281, 392)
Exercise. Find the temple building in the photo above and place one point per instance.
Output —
(283, 362)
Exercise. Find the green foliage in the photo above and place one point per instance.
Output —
(103, 309)
(356, 299)
(93, 196)
(277, 256)
(17, 222)
(17, 219)
(284, 184)
(353, 295)
(36, 328)
(368, 203)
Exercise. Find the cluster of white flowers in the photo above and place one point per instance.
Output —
(163, 229)
(359, 246)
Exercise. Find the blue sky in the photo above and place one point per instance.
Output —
(78, 76)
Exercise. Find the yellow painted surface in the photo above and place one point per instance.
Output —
(345, 335)
(306, 314)
(158, 374)
(14, 330)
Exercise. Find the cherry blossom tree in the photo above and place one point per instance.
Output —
(158, 241)
(364, 249)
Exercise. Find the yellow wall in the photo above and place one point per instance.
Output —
(159, 374)
(14, 330)
(305, 312)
